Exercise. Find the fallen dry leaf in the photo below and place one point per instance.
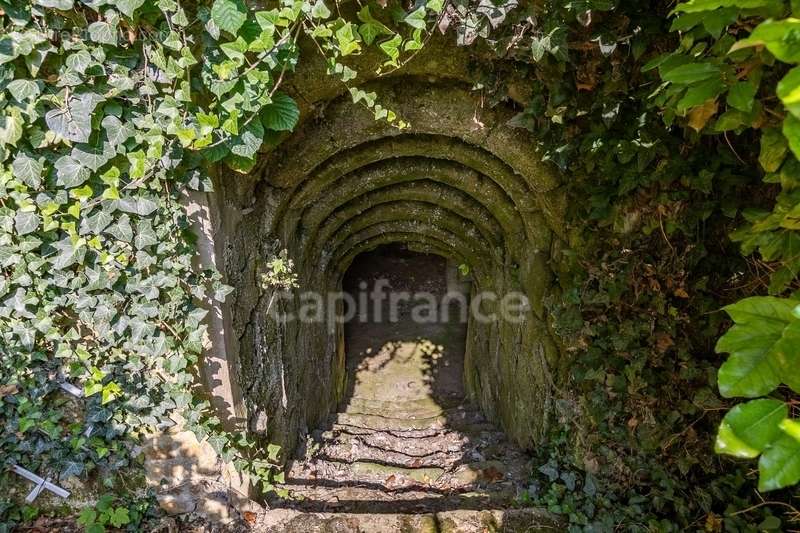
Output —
(700, 115)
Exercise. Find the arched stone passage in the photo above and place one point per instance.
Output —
(459, 182)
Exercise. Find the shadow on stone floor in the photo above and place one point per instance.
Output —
(405, 437)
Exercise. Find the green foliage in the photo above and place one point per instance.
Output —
(763, 343)
(671, 136)
(109, 113)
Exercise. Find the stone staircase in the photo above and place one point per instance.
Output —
(407, 466)
(406, 452)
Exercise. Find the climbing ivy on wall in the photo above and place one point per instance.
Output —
(678, 127)
(110, 111)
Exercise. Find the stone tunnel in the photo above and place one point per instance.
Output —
(459, 182)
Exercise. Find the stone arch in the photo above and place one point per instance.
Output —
(460, 182)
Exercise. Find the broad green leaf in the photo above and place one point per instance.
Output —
(281, 114)
(699, 94)
(773, 149)
(119, 517)
(28, 170)
(741, 96)
(750, 427)
(779, 36)
(779, 465)
(791, 130)
(787, 353)
(229, 15)
(753, 368)
(690, 73)
(435, 5)
(693, 6)
(789, 91)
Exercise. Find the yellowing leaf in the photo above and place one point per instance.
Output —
(700, 115)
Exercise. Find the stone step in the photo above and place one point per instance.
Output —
(444, 449)
(418, 408)
(459, 521)
(369, 499)
(453, 420)
(391, 477)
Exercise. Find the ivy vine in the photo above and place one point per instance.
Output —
(110, 110)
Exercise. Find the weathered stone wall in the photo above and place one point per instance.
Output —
(459, 182)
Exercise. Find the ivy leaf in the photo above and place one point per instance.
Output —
(128, 7)
(23, 90)
(96, 223)
(28, 170)
(138, 205)
(371, 28)
(93, 157)
(754, 367)
(347, 40)
(70, 173)
(320, 10)
(391, 48)
(779, 465)
(26, 222)
(145, 236)
(103, 33)
(249, 141)
(117, 132)
(229, 15)
(10, 128)
(750, 427)
(281, 114)
(63, 5)
(74, 121)
(416, 19)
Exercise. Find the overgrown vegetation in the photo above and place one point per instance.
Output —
(678, 125)
(667, 119)
(109, 112)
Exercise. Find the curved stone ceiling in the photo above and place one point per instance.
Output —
(459, 182)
